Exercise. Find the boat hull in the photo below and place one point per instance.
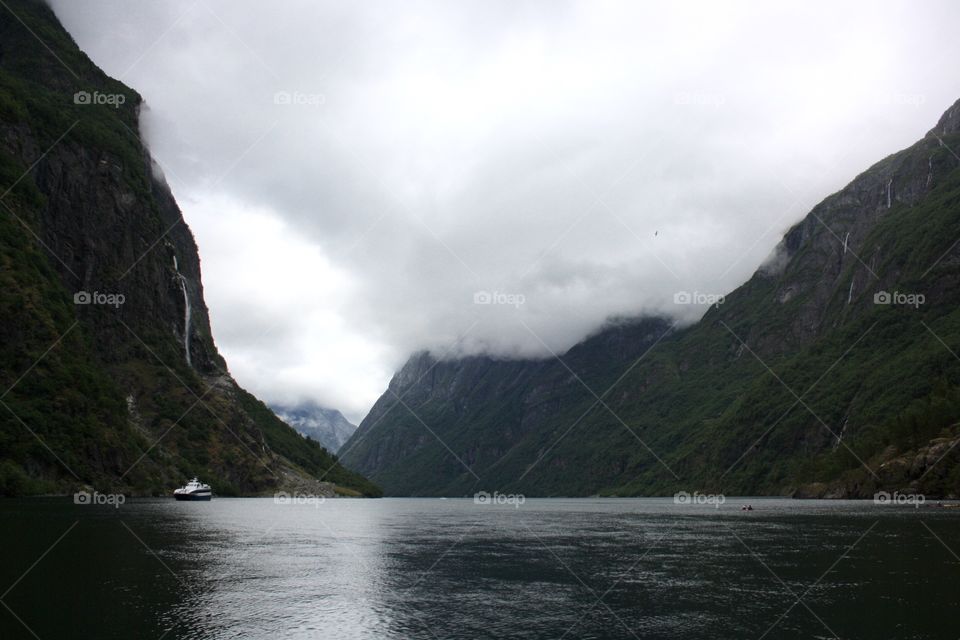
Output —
(192, 497)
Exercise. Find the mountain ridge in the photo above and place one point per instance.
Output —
(327, 426)
(702, 407)
(111, 376)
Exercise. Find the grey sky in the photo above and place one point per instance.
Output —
(594, 158)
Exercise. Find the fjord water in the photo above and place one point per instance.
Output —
(430, 568)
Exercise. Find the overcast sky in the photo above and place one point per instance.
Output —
(355, 172)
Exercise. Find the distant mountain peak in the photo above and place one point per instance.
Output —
(827, 373)
(949, 122)
(112, 379)
(327, 426)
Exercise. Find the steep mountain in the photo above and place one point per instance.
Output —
(108, 371)
(326, 426)
(832, 371)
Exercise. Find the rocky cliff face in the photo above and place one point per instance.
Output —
(824, 370)
(109, 371)
(326, 426)
(441, 422)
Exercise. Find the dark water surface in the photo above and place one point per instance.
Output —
(412, 568)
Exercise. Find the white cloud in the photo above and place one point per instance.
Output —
(281, 311)
(593, 157)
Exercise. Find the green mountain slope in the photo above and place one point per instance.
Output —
(799, 383)
(131, 396)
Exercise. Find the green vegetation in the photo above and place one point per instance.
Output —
(69, 403)
(878, 386)
(307, 453)
(94, 395)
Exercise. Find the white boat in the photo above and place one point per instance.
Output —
(193, 490)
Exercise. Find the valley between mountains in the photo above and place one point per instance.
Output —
(832, 372)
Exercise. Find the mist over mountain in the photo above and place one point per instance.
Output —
(326, 426)
(831, 372)
(593, 160)
(637, 244)
(111, 377)
(643, 316)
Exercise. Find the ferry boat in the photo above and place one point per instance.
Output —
(193, 490)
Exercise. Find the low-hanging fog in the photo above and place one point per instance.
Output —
(357, 172)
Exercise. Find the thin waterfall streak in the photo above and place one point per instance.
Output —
(186, 311)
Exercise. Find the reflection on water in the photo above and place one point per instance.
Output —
(455, 569)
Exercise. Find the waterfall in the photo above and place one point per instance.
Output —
(842, 431)
(889, 186)
(845, 239)
(850, 293)
(186, 310)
